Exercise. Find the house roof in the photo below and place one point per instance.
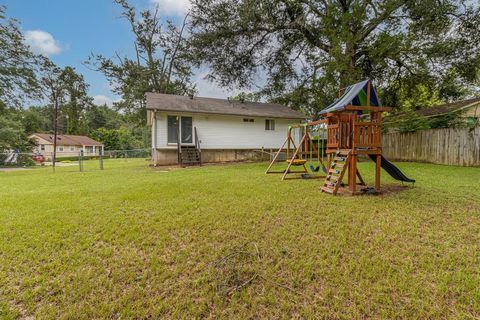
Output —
(174, 103)
(449, 107)
(63, 139)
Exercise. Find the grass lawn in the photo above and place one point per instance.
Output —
(133, 242)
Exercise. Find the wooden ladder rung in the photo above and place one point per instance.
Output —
(326, 189)
(331, 177)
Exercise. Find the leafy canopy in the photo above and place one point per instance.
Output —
(18, 65)
(162, 63)
(303, 50)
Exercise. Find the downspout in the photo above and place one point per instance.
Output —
(154, 140)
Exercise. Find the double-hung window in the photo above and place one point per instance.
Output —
(269, 125)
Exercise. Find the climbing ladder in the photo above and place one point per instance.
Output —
(337, 170)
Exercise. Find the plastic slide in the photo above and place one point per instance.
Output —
(392, 169)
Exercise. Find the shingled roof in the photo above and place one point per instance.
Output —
(174, 103)
(68, 140)
(448, 107)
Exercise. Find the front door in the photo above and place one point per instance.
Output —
(185, 130)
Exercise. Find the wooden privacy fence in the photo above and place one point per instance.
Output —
(449, 146)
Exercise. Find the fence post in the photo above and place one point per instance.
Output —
(80, 160)
(101, 159)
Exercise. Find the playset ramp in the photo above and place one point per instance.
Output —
(392, 170)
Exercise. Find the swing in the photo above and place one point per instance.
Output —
(297, 162)
(316, 169)
(297, 155)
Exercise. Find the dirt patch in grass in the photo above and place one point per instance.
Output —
(386, 190)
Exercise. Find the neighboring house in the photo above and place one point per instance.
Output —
(225, 130)
(469, 108)
(467, 111)
(67, 145)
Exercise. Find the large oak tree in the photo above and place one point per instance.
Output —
(302, 51)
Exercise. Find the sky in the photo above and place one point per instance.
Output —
(68, 31)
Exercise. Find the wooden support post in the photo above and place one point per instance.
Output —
(289, 137)
(287, 171)
(277, 154)
(352, 173)
(378, 165)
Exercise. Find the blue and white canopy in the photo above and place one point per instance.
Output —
(354, 95)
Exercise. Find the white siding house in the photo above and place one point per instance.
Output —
(224, 130)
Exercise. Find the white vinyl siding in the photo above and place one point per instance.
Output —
(227, 132)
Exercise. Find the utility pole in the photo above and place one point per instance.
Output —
(55, 128)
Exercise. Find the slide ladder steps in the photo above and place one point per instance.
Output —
(337, 170)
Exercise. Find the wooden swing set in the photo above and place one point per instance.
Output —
(353, 125)
(297, 155)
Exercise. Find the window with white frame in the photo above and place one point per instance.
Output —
(60, 148)
(248, 120)
(42, 147)
(72, 148)
(269, 125)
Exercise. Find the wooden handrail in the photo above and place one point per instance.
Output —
(197, 145)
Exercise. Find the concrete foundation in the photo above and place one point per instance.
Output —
(169, 156)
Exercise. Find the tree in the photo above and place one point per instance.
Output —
(77, 100)
(307, 49)
(244, 96)
(17, 65)
(117, 139)
(161, 64)
(54, 90)
(12, 135)
(103, 117)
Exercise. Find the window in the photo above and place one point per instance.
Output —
(42, 147)
(269, 125)
(187, 132)
(72, 148)
(172, 133)
(60, 148)
(248, 120)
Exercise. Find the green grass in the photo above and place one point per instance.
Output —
(134, 242)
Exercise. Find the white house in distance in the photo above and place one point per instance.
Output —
(67, 145)
(225, 130)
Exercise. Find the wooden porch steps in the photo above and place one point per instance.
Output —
(189, 156)
(337, 170)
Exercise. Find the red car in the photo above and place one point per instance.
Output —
(38, 158)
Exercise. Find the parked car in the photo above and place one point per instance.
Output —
(38, 158)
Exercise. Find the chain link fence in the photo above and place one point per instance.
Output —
(81, 162)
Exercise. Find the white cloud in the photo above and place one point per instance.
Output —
(100, 100)
(42, 42)
(172, 7)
